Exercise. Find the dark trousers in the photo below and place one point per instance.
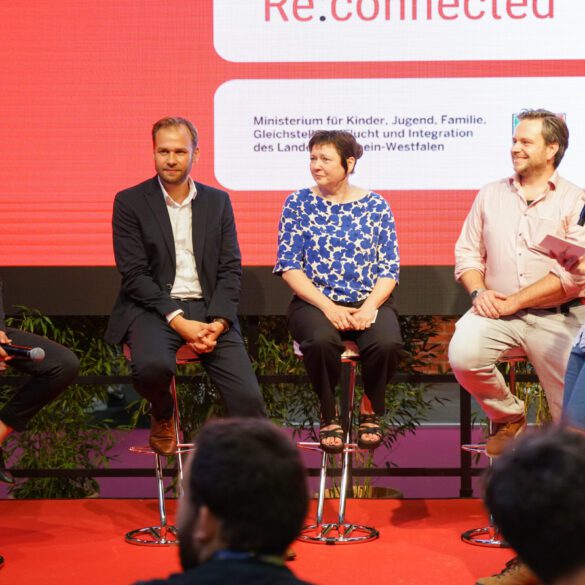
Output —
(380, 349)
(47, 378)
(154, 344)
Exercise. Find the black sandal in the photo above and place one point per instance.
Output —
(335, 433)
(369, 425)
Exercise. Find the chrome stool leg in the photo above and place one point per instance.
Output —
(339, 532)
(161, 492)
(346, 458)
(322, 483)
(161, 535)
(180, 445)
(165, 534)
(490, 535)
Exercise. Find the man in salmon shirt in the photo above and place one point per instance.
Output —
(521, 297)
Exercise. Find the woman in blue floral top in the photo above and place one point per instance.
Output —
(338, 252)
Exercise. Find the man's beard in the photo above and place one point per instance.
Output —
(177, 180)
(188, 553)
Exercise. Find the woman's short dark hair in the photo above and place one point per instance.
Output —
(344, 143)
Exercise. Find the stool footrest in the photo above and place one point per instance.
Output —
(337, 533)
(479, 448)
(153, 536)
(147, 450)
(313, 446)
(487, 536)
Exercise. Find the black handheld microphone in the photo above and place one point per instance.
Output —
(21, 352)
(581, 220)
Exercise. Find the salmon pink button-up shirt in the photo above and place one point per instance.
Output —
(501, 234)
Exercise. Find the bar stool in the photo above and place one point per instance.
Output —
(490, 535)
(339, 532)
(164, 534)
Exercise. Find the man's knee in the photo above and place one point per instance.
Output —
(69, 365)
(151, 370)
(463, 355)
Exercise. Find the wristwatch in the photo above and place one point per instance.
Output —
(224, 322)
(476, 292)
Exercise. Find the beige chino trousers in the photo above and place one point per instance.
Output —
(545, 336)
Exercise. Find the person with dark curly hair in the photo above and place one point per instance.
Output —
(536, 494)
(245, 499)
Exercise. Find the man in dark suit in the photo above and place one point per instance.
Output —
(47, 379)
(176, 247)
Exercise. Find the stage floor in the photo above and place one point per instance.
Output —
(66, 542)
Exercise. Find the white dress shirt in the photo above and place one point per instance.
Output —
(186, 284)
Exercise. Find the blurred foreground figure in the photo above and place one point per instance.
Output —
(245, 499)
(536, 494)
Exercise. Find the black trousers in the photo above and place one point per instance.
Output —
(380, 349)
(154, 345)
(47, 378)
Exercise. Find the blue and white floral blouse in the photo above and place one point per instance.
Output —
(344, 248)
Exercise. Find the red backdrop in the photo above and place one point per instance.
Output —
(81, 84)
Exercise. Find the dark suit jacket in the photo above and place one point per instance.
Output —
(145, 254)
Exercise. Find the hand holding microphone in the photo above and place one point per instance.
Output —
(22, 352)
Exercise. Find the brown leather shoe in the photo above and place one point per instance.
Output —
(162, 436)
(514, 573)
(503, 434)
